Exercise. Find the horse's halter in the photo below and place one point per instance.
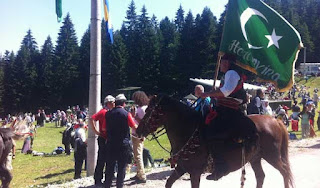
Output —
(154, 118)
(154, 121)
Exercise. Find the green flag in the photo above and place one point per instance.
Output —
(262, 40)
(59, 10)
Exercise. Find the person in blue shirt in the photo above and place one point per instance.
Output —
(202, 104)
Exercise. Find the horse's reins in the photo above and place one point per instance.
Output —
(188, 148)
(154, 135)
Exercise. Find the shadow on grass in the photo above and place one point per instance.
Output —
(48, 176)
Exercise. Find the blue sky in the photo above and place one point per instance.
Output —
(17, 16)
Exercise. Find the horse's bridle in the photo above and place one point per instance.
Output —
(188, 148)
(153, 127)
(150, 115)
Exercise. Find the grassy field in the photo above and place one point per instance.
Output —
(39, 171)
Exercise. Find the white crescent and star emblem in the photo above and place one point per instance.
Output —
(244, 18)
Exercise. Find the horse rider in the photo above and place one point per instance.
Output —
(202, 104)
(227, 122)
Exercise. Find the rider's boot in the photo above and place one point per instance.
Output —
(219, 165)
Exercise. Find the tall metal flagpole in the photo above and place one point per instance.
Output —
(95, 81)
(304, 60)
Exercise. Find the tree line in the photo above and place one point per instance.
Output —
(157, 56)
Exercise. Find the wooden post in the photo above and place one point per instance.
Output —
(217, 71)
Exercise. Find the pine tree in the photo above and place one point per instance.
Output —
(206, 48)
(84, 66)
(66, 64)
(220, 26)
(2, 65)
(8, 100)
(179, 21)
(45, 75)
(25, 75)
(186, 53)
(130, 35)
(148, 53)
(115, 73)
(168, 56)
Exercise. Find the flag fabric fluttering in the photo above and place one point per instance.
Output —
(59, 10)
(108, 20)
(262, 41)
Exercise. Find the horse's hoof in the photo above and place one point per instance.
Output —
(212, 177)
(215, 176)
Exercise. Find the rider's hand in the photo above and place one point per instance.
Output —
(203, 95)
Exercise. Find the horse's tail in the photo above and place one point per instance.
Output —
(285, 153)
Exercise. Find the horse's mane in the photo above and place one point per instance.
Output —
(171, 103)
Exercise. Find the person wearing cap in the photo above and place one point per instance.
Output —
(283, 115)
(228, 123)
(66, 138)
(109, 103)
(118, 147)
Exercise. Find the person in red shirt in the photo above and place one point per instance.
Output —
(109, 103)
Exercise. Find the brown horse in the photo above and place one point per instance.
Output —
(181, 122)
(5, 147)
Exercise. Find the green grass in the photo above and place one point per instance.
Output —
(156, 151)
(31, 170)
(40, 171)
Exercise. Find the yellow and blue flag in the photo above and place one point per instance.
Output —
(108, 20)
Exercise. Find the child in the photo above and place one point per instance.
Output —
(305, 123)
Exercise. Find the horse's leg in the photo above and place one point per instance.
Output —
(277, 163)
(258, 171)
(176, 174)
(6, 176)
(195, 180)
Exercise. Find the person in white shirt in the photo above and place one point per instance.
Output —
(80, 152)
(142, 101)
(228, 123)
(266, 109)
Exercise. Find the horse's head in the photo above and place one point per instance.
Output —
(154, 117)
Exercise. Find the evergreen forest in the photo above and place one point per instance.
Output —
(157, 55)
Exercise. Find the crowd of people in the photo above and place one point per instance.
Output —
(260, 104)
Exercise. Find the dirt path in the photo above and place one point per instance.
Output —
(305, 166)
